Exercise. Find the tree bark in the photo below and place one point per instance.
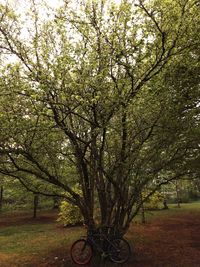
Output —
(178, 195)
(165, 204)
(143, 219)
(35, 205)
(1, 198)
(55, 203)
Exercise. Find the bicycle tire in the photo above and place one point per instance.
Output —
(119, 250)
(81, 252)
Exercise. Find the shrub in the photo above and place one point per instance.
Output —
(69, 214)
(154, 201)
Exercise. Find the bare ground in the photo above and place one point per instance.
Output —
(172, 241)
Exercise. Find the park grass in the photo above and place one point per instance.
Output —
(35, 238)
(152, 216)
(40, 239)
(185, 208)
(26, 242)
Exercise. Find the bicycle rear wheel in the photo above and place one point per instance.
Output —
(119, 250)
(81, 252)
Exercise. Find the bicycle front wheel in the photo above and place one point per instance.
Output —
(81, 252)
(119, 250)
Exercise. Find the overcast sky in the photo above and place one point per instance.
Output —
(23, 3)
(22, 6)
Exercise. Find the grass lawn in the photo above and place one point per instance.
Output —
(43, 242)
(185, 208)
(29, 239)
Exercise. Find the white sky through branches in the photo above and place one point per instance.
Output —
(46, 10)
(22, 5)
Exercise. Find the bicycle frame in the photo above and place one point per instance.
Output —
(102, 238)
(105, 243)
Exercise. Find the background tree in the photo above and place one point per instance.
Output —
(1, 195)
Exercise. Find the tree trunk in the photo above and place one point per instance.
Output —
(35, 205)
(55, 203)
(165, 204)
(143, 219)
(1, 198)
(178, 195)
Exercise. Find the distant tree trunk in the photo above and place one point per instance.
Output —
(143, 219)
(35, 205)
(1, 198)
(55, 203)
(178, 195)
(140, 205)
(165, 204)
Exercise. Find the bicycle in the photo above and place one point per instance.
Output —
(117, 249)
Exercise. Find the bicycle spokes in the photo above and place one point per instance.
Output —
(81, 252)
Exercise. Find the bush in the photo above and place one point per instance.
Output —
(69, 214)
(154, 202)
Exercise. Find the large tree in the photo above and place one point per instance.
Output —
(89, 97)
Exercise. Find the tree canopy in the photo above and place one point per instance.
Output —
(102, 95)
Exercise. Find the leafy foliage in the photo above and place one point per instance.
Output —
(69, 214)
(154, 202)
(106, 96)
